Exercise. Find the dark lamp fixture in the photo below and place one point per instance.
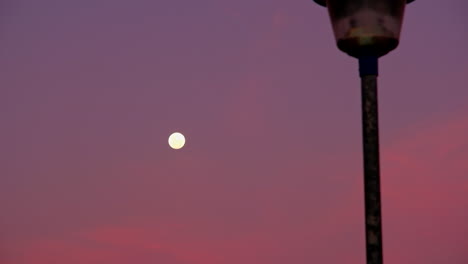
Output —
(366, 27)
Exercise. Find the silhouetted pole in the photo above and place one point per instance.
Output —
(367, 30)
(370, 137)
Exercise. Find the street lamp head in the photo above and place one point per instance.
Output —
(366, 28)
(324, 2)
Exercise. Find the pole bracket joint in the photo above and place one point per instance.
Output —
(368, 65)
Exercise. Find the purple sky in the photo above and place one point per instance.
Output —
(272, 169)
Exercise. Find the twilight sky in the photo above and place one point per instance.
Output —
(272, 169)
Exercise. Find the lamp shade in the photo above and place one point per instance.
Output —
(324, 2)
(366, 27)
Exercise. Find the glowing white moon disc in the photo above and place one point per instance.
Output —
(176, 140)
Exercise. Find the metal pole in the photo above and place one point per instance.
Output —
(368, 68)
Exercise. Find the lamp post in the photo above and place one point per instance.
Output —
(367, 30)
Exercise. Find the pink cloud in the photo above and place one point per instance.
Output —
(102, 245)
(61, 251)
(123, 237)
(424, 185)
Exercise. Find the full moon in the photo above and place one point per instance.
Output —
(176, 140)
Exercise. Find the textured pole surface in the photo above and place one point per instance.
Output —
(371, 168)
